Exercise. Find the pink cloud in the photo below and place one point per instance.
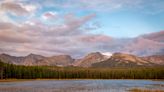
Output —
(49, 15)
(96, 38)
(17, 8)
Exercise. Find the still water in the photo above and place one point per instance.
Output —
(80, 85)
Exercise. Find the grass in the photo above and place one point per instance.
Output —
(145, 90)
(15, 80)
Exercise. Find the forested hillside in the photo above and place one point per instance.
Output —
(8, 71)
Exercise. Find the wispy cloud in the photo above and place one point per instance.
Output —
(42, 39)
(151, 6)
(17, 8)
(49, 15)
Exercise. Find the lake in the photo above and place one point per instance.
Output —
(80, 85)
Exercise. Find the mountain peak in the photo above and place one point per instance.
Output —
(127, 57)
(118, 54)
(31, 54)
(158, 59)
(91, 58)
(4, 54)
(94, 53)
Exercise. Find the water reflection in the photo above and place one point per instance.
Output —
(79, 85)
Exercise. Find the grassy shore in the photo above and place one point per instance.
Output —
(145, 90)
(15, 80)
(19, 80)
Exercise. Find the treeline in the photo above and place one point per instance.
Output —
(8, 71)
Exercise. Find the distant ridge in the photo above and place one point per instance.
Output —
(94, 59)
(124, 60)
(33, 59)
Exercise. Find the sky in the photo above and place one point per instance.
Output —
(74, 27)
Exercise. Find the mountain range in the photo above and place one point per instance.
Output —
(95, 59)
(125, 60)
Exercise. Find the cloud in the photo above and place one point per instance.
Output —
(71, 26)
(148, 7)
(9, 34)
(158, 36)
(49, 15)
(151, 6)
(95, 39)
(17, 8)
(143, 47)
(95, 5)
(4, 25)
(35, 37)
(40, 39)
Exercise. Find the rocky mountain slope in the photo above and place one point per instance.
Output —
(158, 59)
(60, 60)
(95, 59)
(123, 60)
(91, 58)
(32, 59)
(11, 59)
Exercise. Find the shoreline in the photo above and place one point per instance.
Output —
(22, 80)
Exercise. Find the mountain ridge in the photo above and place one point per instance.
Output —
(92, 59)
(123, 60)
